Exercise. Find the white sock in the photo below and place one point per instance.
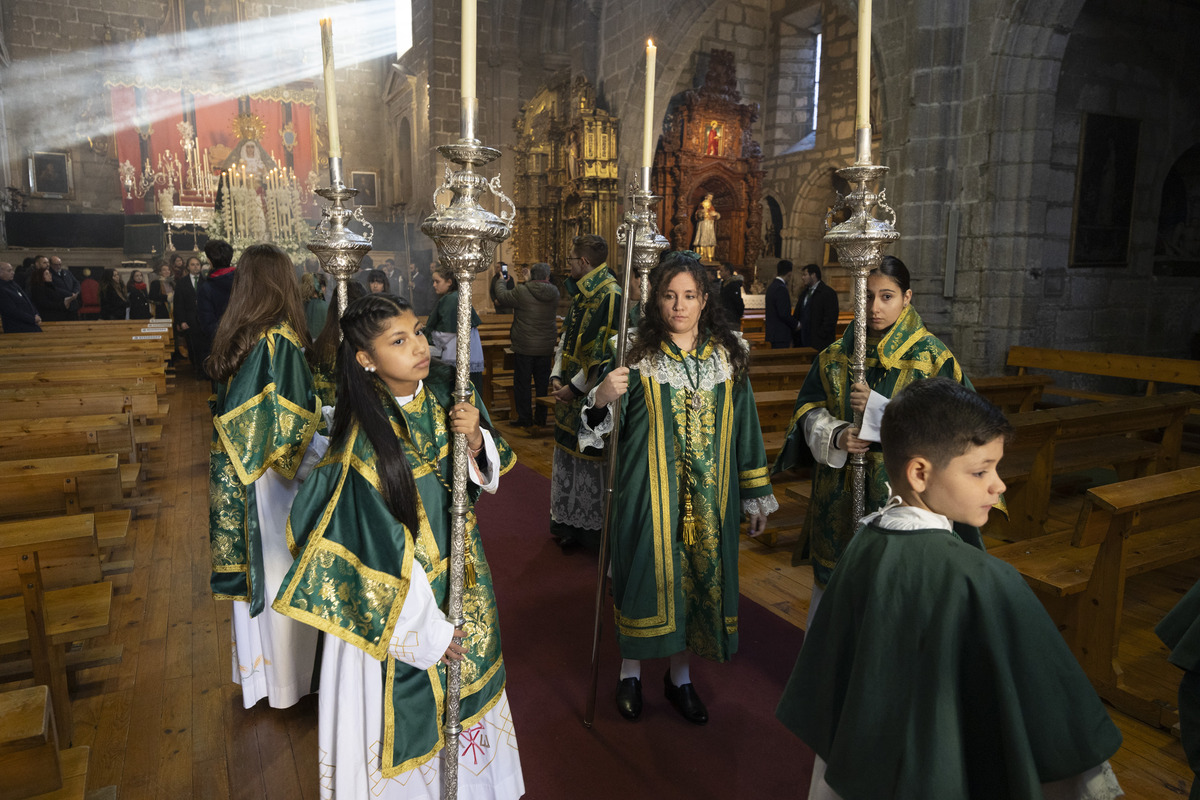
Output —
(631, 668)
(680, 672)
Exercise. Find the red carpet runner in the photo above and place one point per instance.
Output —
(546, 605)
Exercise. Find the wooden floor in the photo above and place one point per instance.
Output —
(168, 722)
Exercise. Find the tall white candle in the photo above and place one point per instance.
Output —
(648, 115)
(335, 142)
(469, 25)
(863, 116)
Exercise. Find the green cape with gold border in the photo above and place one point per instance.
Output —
(354, 562)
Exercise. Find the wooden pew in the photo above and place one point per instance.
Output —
(1012, 393)
(1135, 436)
(1150, 369)
(70, 399)
(72, 436)
(43, 622)
(44, 374)
(775, 409)
(785, 355)
(1123, 529)
(29, 759)
(772, 377)
(66, 485)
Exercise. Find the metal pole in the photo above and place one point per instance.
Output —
(466, 235)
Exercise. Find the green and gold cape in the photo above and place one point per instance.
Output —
(689, 435)
(907, 352)
(354, 564)
(590, 323)
(264, 418)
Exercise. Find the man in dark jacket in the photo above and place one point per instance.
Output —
(67, 285)
(17, 313)
(778, 313)
(534, 333)
(213, 296)
(187, 290)
(816, 311)
(731, 295)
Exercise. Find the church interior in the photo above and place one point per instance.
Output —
(1042, 169)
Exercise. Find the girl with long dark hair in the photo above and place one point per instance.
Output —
(442, 327)
(114, 300)
(691, 464)
(139, 295)
(265, 419)
(50, 303)
(372, 523)
(900, 350)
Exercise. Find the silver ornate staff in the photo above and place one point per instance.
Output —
(861, 238)
(466, 235)
(339, 249)
(642, 242)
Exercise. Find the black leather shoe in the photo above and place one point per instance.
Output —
(629, 698)
(685, 700)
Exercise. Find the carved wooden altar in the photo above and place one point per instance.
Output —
(707, 147)
(566, 172)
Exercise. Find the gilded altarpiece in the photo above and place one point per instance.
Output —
(566, 173)
(707, 147)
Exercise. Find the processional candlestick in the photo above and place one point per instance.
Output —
(861, 238)
(338, 249)
(466, 235)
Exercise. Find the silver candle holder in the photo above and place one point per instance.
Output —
(648, 243)
(338, 249)
(860, 241)
(466, 235)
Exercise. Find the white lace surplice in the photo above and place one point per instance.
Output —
(577, 491)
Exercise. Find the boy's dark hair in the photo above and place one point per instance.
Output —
(219, 252)
(784, 267)
(938, 419)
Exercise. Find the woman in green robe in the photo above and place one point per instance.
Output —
(265, 417)
(900, 350)
(370, 530)
(690, 464)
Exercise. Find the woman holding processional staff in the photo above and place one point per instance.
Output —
(900, 350)
(690, 464)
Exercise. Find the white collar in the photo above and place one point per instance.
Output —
(403, 401)
(895, 516)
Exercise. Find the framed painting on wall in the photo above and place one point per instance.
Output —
(1104, 186)
(50, 176)
(367, 185)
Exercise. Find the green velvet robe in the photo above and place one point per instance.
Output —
(590, 323)
(670, 595)
(907, 352)
(354, 562)
(263, 418)
(444, 316)
(932, 671)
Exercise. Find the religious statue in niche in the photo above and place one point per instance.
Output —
(713, 141)
(705, 240)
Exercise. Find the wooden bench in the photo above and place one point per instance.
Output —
(1152, 370)
(1123, 529)
(1134, 436)
(29, 758)
(775, 409)
(43, 622)
(67, 485)
(773, 377)
(72, 399)
(81, 435)
(46, 374)
(1012, 393)
(784, 355)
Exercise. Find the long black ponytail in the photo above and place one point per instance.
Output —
(361, 398)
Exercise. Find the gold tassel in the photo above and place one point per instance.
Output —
(689, 522)
(469, 575)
